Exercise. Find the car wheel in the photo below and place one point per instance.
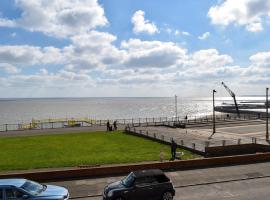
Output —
(167, 196)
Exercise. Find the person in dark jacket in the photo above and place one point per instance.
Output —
(108, 125)
(115, 125)
(173, 149)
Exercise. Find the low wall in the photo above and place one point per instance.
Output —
(236, 149)
(55, 175)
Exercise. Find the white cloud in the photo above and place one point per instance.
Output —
(248, 13)
(204, 36)
(185, 33)
(8, 68)
(59, 18)
(151, 54)
(261, 59)
(143, 25)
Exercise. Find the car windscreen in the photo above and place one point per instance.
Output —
(128, 180)
(33, 187)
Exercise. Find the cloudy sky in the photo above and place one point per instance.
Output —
(84, 48)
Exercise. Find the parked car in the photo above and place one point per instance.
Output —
(13, 189)
(141, 185)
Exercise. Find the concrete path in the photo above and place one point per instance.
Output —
(56, 131)
(234, 182)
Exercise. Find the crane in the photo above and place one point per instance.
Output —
(233, 96)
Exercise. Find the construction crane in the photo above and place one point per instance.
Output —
(233, 96)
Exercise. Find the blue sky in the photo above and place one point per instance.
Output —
(87, 48)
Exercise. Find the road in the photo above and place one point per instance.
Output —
(243, 182)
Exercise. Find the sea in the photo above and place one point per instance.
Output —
(23, 110)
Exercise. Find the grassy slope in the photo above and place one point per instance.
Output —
(77, 149)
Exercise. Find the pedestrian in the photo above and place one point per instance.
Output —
(173, 149)
(108, 125)
(115, 125)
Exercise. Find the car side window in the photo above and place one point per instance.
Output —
(144, 181)
(13, 194)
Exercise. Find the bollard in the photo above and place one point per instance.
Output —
(154, 135)
(147, 133)
(193, 145)
(6, 127)
(239, 141)
(134, 130)
(255, 140)
(162, 137)
(223, 142)
(182, 142)
(141, 132)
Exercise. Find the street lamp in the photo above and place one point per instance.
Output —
(214, 118)
(267, 133)
(175, 107)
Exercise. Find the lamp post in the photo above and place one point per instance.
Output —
(267, 133)
(214, 117)
(175, 107)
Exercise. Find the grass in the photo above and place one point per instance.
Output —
(76, 149)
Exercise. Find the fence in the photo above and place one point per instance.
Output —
(86, 122)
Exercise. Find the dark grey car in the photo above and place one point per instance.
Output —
(145, 184)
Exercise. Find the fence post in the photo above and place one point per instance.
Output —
(52, 125)
(182, 142)
(6, 126)
(154, 135)
(162, 137)
(239, 141)
(147, 133)
(193, 145)
(141, 132)
(223, 142)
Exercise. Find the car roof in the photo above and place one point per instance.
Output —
(149, 172)
(17, 182)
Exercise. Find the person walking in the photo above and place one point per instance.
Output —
(108, 125)
(173, 149)
(115, 125)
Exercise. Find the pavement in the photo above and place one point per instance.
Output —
(242, 182)
(231, 132)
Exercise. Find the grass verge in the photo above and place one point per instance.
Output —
(76, 149)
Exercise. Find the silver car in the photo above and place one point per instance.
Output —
(22, 189)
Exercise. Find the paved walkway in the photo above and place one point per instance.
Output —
(56, 131)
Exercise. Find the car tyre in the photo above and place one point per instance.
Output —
(167, 196)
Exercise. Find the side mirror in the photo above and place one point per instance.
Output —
(25, 196)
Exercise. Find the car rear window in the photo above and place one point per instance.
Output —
(162, 178)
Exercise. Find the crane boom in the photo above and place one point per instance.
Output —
(233, 96)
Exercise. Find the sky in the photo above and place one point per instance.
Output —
(111, 48)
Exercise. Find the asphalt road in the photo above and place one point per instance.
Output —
(236, 190)
(242, 182)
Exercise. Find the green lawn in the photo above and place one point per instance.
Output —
(76, 149)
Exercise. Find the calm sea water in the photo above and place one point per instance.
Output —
(23, 110)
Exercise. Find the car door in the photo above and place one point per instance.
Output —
(1, 194)
(142, 189)
(13, 194)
